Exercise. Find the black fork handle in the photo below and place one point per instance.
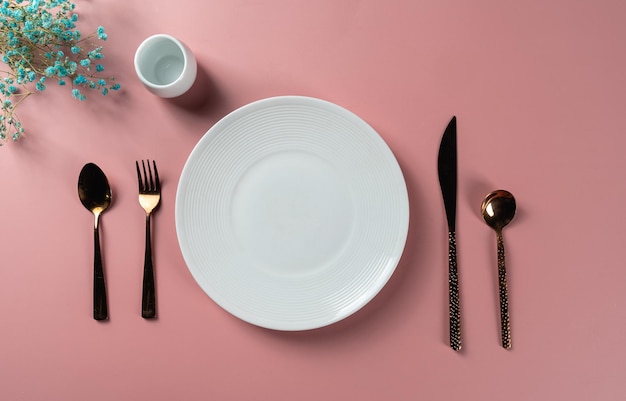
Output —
(148, 299)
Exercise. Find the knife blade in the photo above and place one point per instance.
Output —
(447, 169)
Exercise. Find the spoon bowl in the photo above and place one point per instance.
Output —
(95, 194)
(498, 209)
(93, 189)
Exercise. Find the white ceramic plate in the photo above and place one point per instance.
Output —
(291, 213)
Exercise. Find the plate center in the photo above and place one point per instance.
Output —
(292, 213)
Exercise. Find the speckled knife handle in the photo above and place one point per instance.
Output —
(505, 325)
(453, 284)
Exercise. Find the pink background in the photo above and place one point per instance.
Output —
(538, 88)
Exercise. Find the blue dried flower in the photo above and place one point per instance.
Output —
(33, 37)
(77, 95)
(79, 80)
(101, 34)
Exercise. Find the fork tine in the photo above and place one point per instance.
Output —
(151, 187)
(139, 177)
(157, 182)
(146, 183)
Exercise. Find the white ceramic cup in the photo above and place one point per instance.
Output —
(165, 65)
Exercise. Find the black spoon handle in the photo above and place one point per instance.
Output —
(100, 309)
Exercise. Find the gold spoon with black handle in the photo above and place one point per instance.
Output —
(498, 209)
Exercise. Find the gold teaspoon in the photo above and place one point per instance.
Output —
(498, 209)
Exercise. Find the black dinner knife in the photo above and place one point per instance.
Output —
(447, 167)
